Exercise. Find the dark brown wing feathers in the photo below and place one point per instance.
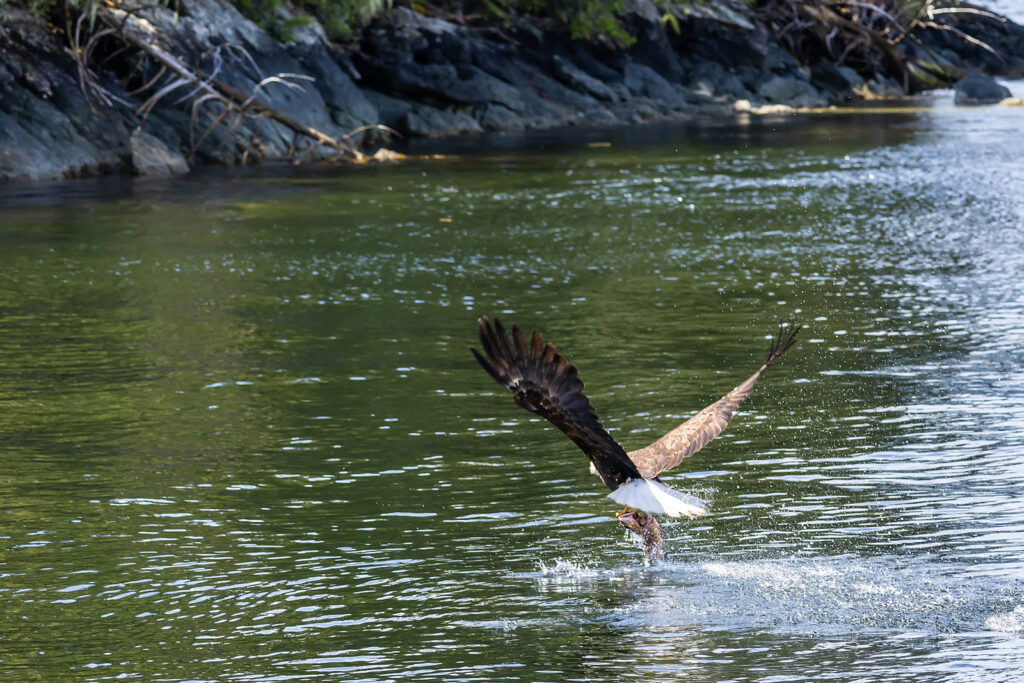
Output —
(699, 430)
(544, 383)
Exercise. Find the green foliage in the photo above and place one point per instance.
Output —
(48, 8)
(586, 19)
(670, 21)
(341, 17)
(59, 10)
(909, 9)
(264, 13)
(338, 17)
(595, 19)
(497, 9)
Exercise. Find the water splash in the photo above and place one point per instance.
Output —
(829, 595)
(565, 568)
(1011, 622)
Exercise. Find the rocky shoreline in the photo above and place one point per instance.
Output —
(418, 75)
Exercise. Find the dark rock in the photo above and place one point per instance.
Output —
(390, 110)
(778, 62)
(711, 79)
(791, 91)
(653, 48)
(644, 81)
(881, 88)
(498, 118)
(39, 141)
(708, 39)
(598, 117)
(827, 77)
(716, 109)
(24, 157)
(346, 103)
(640, 110)
(430, 122)
(455, 67)
(406, 32)
(476, 86)
(852, 77)
(975, 88)
(751, 77)
(938, 61)
(551, 98)
(997, 46)
(584, 59)
(441, 84)
(575, 78)
(151, 157)
(47, 129)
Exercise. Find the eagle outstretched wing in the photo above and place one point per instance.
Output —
(544, 383)
(699, 430)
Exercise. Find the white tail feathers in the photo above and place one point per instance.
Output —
(655, 498)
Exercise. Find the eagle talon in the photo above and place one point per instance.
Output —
(626, 511)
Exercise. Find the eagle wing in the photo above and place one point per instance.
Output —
(544, 383)
(699, 430)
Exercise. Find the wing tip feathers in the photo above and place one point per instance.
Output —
(782, 343)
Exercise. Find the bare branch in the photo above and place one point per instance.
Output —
(967, 10)
(231, 96)
(970, 39)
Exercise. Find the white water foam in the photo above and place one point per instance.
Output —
(835, 594)
(1011, 622)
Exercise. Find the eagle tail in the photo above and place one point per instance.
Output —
(655, 498)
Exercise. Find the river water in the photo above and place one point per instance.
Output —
(244, 438)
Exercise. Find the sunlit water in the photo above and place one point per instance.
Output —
(243, 437)
(1013, 9)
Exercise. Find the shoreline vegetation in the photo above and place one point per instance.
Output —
(91, 87)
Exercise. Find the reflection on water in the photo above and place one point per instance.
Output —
(244, 438)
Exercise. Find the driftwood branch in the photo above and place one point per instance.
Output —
(963, 36)
(827, 17)
(231, 97)
(867, 34)
(934, 11)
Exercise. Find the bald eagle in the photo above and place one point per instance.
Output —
(544, 383)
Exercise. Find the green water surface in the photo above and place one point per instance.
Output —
(243, 438)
